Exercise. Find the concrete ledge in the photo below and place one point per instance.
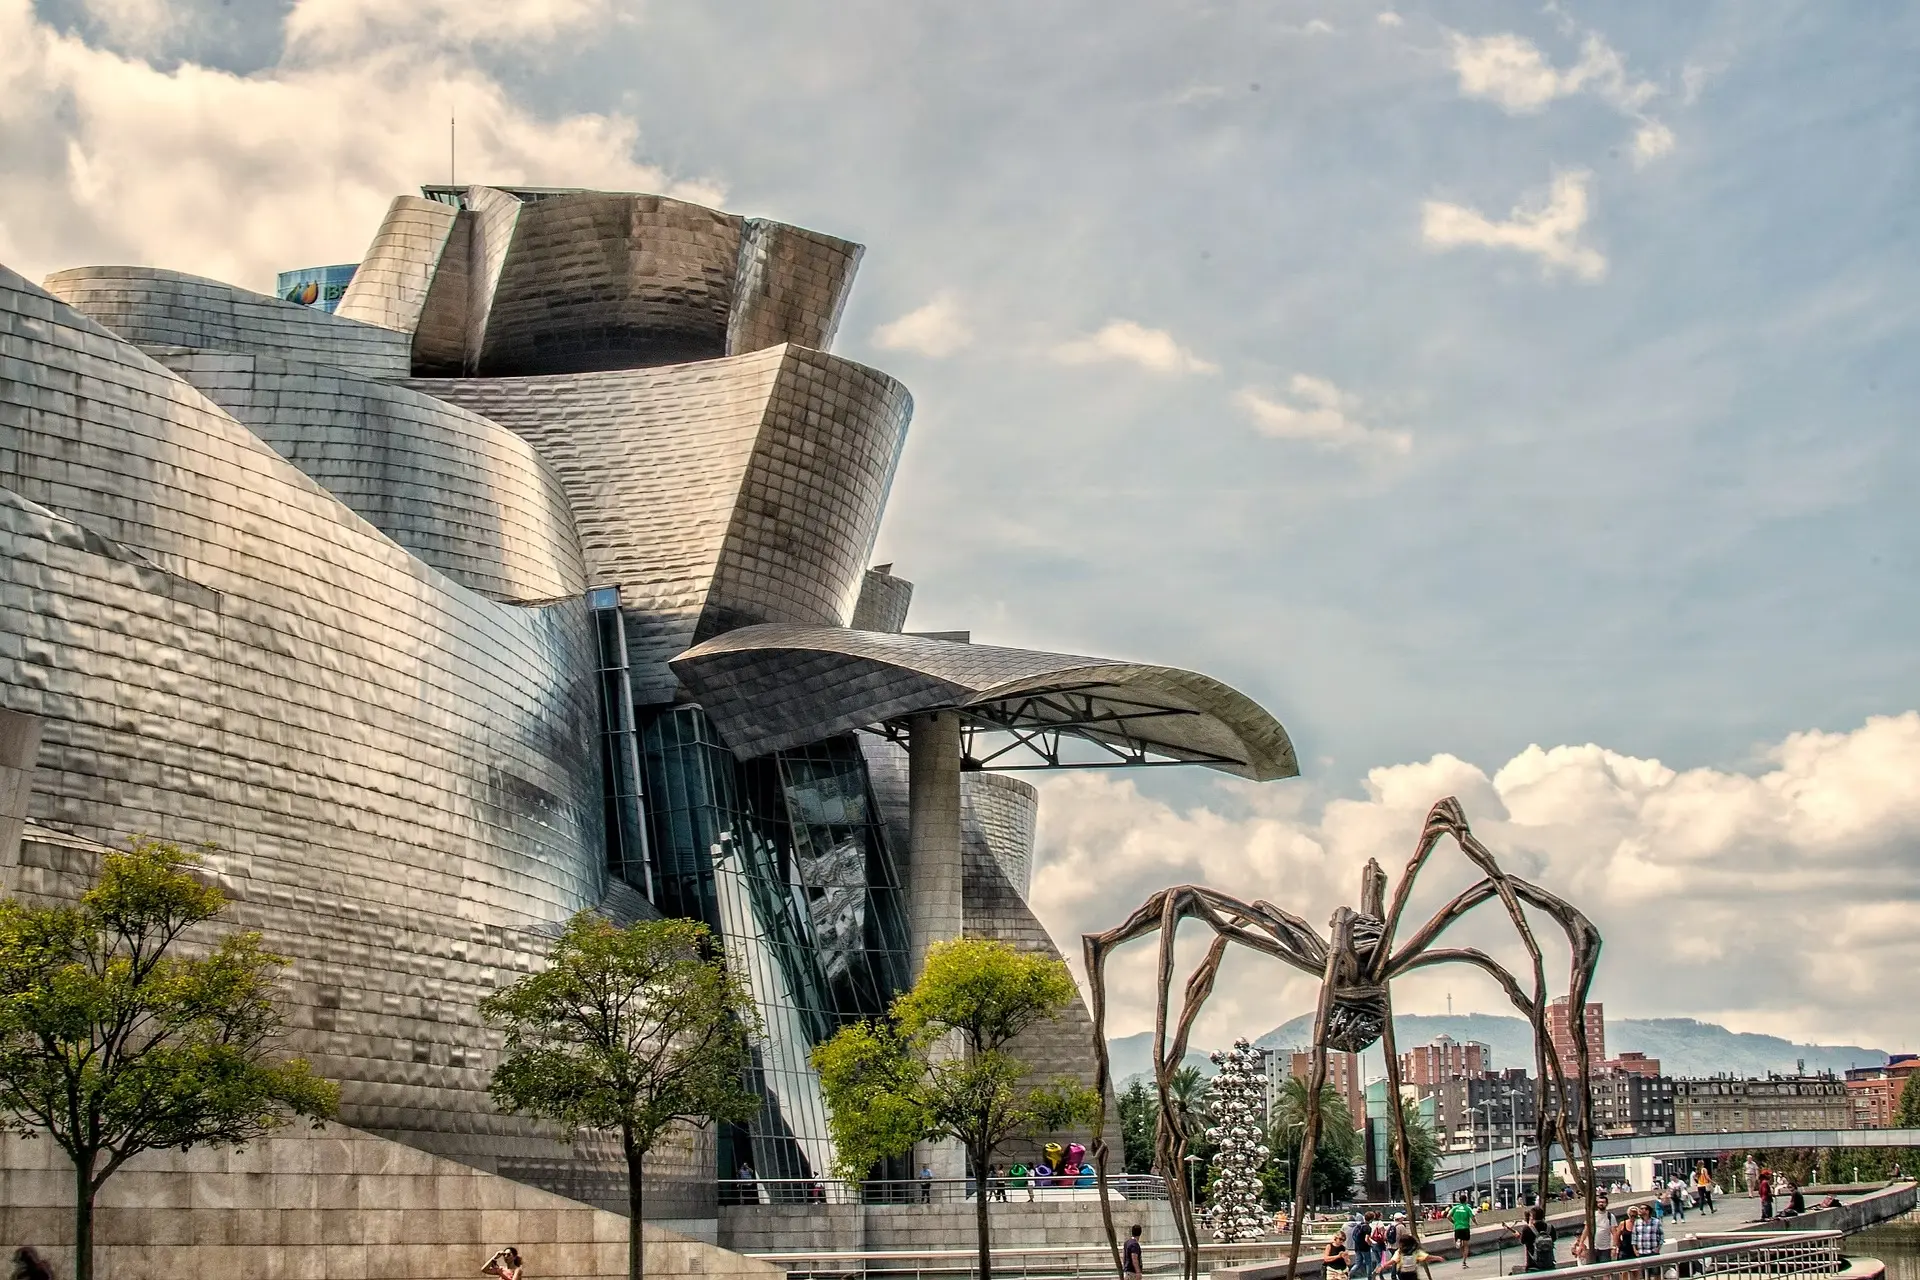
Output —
(328, 1204)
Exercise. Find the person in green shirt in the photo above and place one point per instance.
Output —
(1462, 1215)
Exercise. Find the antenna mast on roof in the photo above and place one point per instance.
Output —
(450, 153)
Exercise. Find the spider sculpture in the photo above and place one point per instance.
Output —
(1355, 964)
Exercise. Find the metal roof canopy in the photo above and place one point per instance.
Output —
(771, 687)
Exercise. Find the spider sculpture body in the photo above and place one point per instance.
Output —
(1356, 963)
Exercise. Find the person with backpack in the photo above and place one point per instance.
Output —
(1359, 1247)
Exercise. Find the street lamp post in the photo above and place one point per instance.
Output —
(1193, 1180)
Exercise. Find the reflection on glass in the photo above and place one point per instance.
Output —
(785, 859)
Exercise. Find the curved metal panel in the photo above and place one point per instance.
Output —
(792, 285)
(400, 774)
(1007, 811)
(770, 687)
(466, 495)
(153, 308)
(390, 287)
(601, 281)
(723, 493)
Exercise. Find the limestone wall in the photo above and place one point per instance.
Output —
(331, 1204)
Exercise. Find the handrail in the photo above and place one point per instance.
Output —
(1802, 1254)
(1000, 1190)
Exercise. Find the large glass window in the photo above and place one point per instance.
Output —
(786, 860)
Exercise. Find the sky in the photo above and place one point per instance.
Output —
(1516, 400)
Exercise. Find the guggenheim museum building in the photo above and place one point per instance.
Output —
(531, 578)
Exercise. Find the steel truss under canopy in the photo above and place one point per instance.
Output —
(773, 686)
(1039, 731)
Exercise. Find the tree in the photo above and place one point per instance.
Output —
(1906, 1113)
(1333, 1156)
(1137, 1113)
(1234, 1192)
(939, 1068)
(1423, 1149)
(630, 1031)
(112, 1042)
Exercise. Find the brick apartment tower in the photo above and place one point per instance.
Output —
(1428, 1066)
(1560, 1034)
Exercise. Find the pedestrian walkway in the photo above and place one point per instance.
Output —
(1500, 1254)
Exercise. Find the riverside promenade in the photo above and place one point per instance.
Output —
(1495, 1250)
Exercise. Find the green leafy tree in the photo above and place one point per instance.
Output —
(627, 1031)
(1906, 1113)
(1333, 1156)
(114, 1042)
(1423, 1149)
(940, 1067)
(1137, 1112)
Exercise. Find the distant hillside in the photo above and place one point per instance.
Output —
(1132, 1056)
(1684, 1046)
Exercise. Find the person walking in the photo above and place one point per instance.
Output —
(1623, 1236)
(1649, 1236)
(926, 1184)
(1132, 1266)
(1462, 1215)
(1406, 1255)
(1604, 1221)
(1703, 1186)
(1751, 1171)
(1359, 1247)
(1677, 1198)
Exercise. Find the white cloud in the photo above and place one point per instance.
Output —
(1318, 27)
(1547, 229)
(332, 27)
(1321, 413)
(1123, 340)
(1651, 141)
(936, 329)
(1779, 900)
(107, 158)
(1511, 71)
(1390, 19)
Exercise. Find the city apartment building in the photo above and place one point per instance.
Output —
(1560, 1034)
(1725, 1105)
(1425, 1066)
(1627, 1104)
(1480, 1112)
(1632, 1064)
(1343, 1075)
(1875, 1091)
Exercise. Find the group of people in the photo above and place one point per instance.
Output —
(1370, 1244)
(1057, 1167)
(1774, 1189)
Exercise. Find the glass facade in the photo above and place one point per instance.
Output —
(785, 858)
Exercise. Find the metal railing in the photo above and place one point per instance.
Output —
(1055, 1262)
(1000, 1190)
(1738, 1253)
(1804, 1255)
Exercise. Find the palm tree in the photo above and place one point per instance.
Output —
(1290, 1112)
(1189, 1092)
(1338, 1145)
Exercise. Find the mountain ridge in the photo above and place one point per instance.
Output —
(1684, 1046)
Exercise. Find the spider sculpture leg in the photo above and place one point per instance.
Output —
(1259, 926)
(1447, 818)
